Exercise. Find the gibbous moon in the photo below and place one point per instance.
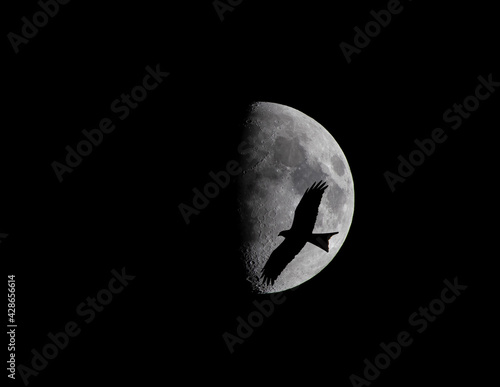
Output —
(284, 153)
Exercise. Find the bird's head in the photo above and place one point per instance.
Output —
(284, 233)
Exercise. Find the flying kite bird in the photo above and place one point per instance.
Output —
(301, 232)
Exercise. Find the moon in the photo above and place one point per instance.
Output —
(284, 152)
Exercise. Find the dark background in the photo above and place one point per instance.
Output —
(119, 208)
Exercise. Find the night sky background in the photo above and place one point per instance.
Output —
(119, 207)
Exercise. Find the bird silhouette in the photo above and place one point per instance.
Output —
(299, 234)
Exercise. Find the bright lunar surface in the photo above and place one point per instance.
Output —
(284, 152)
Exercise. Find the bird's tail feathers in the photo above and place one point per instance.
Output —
(321, 240)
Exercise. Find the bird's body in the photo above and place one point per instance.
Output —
(299, 234)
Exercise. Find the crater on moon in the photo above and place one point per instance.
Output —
(287, 152)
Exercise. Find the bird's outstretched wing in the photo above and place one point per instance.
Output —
(307, 209)
(280, 258)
